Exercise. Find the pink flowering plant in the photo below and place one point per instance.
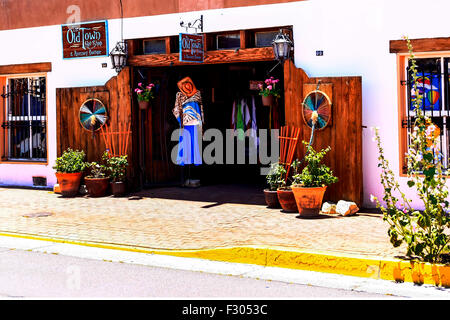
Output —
(425, 232)
(270, 87)
(145, 93)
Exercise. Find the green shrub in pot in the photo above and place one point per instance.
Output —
(71, 161)
(97, 182)
(69, 170)
(117, 168)
(309, 184)
(275, 179)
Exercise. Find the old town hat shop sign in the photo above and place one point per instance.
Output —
(84, 40)
(192, 45)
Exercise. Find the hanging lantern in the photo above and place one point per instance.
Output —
(119, 56)
(282, 46)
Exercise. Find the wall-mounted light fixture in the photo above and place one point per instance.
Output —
(282, 46)
(119, 53)
(119, 56)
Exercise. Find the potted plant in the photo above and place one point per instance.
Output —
(310, 184)
(117, 168)
(145, 94)
(275, 179)
(97, 182)
(69, 170)
(286, 195)
(269, 90)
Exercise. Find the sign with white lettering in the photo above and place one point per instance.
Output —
(191, 47)
(82, 40)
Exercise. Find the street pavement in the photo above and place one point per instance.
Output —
(44, 269)
(189, 218)
(28, 274)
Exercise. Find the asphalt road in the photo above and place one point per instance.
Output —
(29, 274)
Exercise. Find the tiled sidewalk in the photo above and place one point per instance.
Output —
(181, 218)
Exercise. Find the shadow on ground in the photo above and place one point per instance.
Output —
(217, 194)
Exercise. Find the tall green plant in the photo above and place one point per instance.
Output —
(314, 174)
(423, 231)
(117, 166)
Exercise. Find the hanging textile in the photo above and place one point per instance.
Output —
(254, 126)
(188, 111)
(189, 146)
(240, 118)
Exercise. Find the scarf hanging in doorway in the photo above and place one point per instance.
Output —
(189, 113)
(240, 118)
(188, 110)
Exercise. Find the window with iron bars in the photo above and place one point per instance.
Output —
(434, 88)
(24, 125)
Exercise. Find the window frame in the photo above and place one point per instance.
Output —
(4, 117)
(403, 103)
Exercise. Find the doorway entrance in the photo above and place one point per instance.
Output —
(221, 86)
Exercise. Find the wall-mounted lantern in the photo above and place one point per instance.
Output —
(119, 56)
(282, 46)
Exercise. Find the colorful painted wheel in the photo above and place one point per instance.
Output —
(92, 114)
(316, 105)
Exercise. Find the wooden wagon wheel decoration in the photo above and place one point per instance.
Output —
(316, 107)
(92, 114)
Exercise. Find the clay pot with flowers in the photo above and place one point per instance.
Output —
(275, 179)
(310, 184)
(117, 169)
(286, 195)
(97, 182)
(145, 95)
(269, 91)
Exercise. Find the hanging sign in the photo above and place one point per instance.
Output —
(192, 47)
(82, 40)
(255, 84)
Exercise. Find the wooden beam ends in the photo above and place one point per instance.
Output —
(420, 45)
(26, 68)
(212, 57)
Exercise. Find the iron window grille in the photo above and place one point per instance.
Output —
(433, 86)
(24, 125)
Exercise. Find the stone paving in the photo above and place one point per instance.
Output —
(186, 218)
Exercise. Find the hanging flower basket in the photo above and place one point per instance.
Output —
(269, 90)
(143, 105)
(145, 94)
(267, 101)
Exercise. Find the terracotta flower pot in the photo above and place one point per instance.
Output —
(267, 101)
(69, 183)
(271, 198)
(309, 200)
(143, 105)
(118, 188)
(97, 187)
(287, 200)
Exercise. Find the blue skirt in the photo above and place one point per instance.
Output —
(189, 146)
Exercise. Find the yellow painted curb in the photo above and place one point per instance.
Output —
(351, 265)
